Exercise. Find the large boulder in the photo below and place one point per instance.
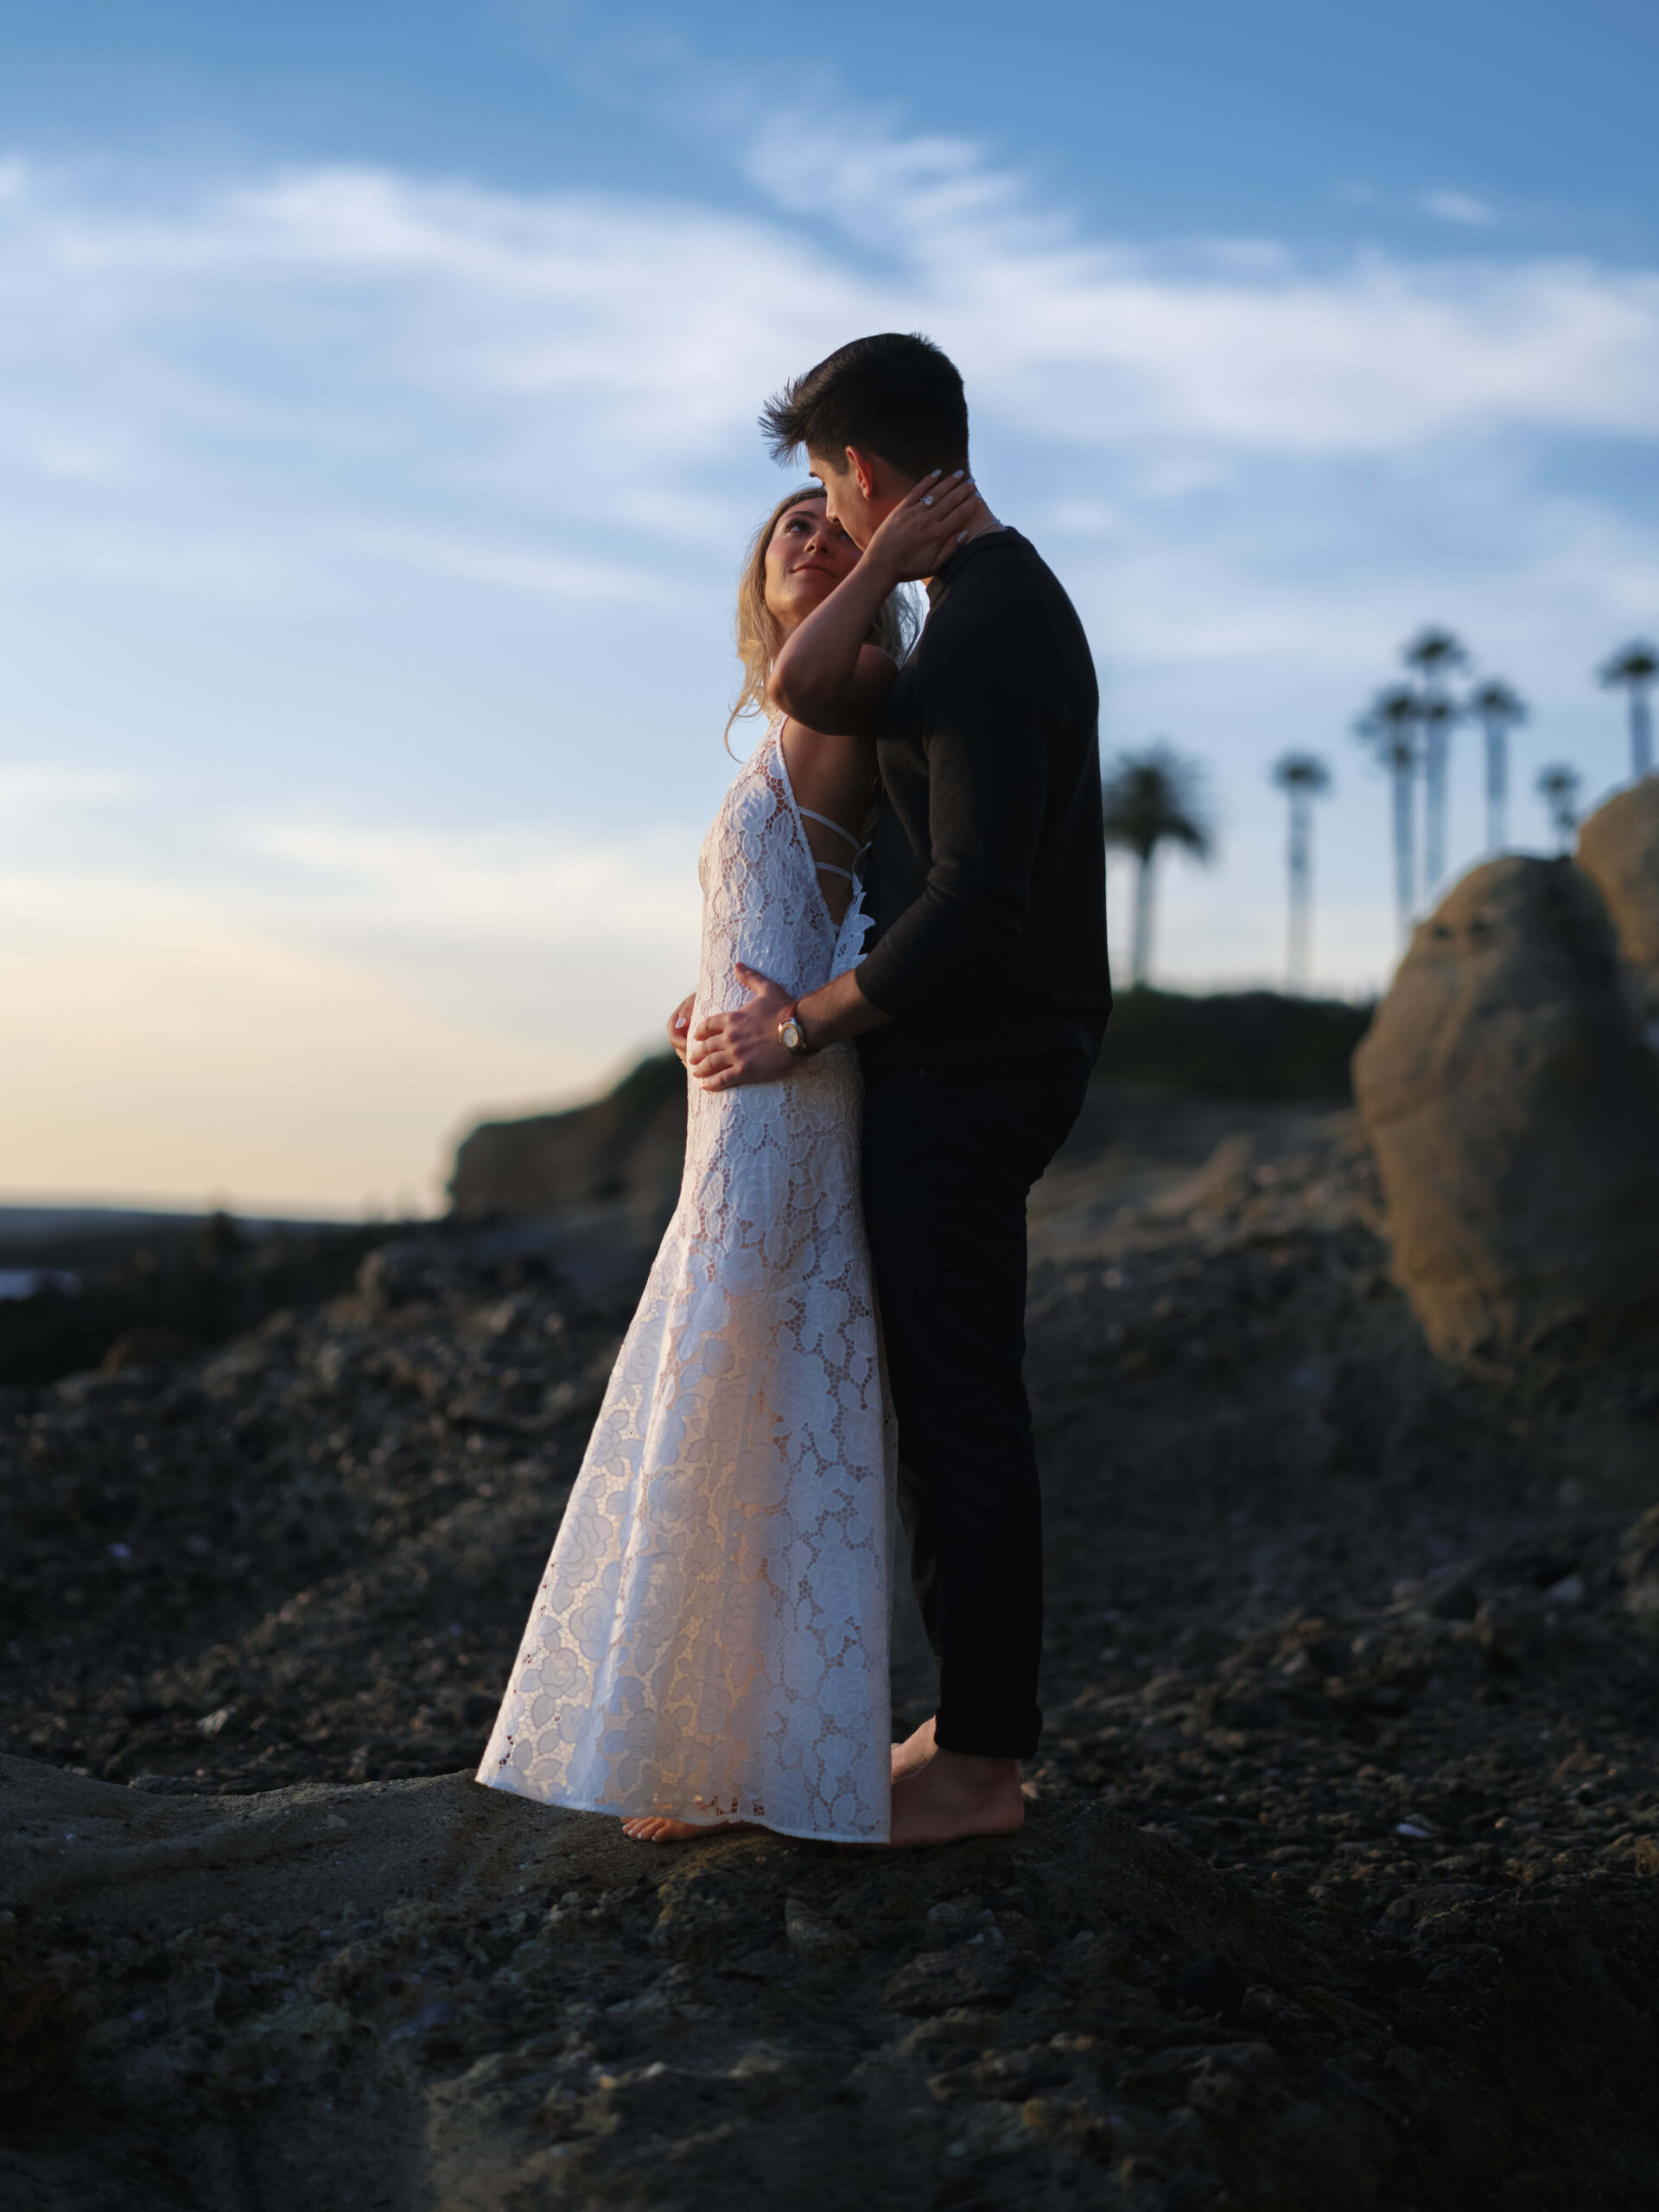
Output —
(1513, 1107)
(1618, 849)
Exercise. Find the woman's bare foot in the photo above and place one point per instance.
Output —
(914, 1754)
(954, 1796)
(653, 1827)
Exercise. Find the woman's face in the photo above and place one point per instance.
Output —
(806, 558)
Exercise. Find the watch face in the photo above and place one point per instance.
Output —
(790, 1036)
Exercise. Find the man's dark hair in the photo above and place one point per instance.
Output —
(899, 397)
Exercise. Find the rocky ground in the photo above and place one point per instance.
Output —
(1337, 1889)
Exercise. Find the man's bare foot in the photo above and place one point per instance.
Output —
(653, 1827)
(914, 1754)
(954, 1796)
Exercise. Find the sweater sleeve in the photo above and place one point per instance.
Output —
(986, 712)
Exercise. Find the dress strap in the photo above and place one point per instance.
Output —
(829, 825)
(829, 867)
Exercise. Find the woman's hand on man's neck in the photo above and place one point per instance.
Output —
(827, 674)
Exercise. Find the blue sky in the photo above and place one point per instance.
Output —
(377, 393)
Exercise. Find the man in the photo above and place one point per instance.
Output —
(979, 1010)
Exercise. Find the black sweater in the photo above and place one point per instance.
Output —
(985, 875)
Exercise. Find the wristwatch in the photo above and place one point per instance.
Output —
(791, 1035)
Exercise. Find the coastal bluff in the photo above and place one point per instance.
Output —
(624, 1149)
(587, 1192)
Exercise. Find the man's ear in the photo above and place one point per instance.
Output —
(862, 466)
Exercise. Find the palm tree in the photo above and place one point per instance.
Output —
(1389, 728)
(1434, 656)
(1558, 787)
(1149, 799)
(1498, 711)
(1632, 669)
(1303, 777)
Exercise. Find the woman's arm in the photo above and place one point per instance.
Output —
(827, 674)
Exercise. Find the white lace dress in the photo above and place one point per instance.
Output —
(710, 1638)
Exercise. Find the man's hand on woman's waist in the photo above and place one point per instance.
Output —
(729, 1050)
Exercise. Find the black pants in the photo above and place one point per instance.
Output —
(950, 1156)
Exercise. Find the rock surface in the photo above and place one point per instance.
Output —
(1619, 850)
(1514, 1106)
(1337, 1886)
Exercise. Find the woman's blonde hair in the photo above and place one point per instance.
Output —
(759, 635)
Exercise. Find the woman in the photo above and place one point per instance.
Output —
(710, 1642)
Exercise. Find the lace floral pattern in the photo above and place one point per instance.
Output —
(710, 1638)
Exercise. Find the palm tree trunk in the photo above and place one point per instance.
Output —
(1405, 892)
(1299, 860)
(1497, 786)
(1435, 768)
(1641, 732)
(1140, 950)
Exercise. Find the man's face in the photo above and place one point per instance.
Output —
(846, 503)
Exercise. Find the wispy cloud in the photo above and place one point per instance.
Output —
(516, 568)
(540, 886)
(1463, 210)
(28, 788)
(1460, 207)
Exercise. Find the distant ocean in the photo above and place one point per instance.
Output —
(37, 1243)
(31, 1224)
(27, 1282)
(28, 1224)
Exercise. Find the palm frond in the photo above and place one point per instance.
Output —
(1494, 702)
(1156, 796)
(1434, 652)
(1636, 664)
(1301, 771)
(1389, 725)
